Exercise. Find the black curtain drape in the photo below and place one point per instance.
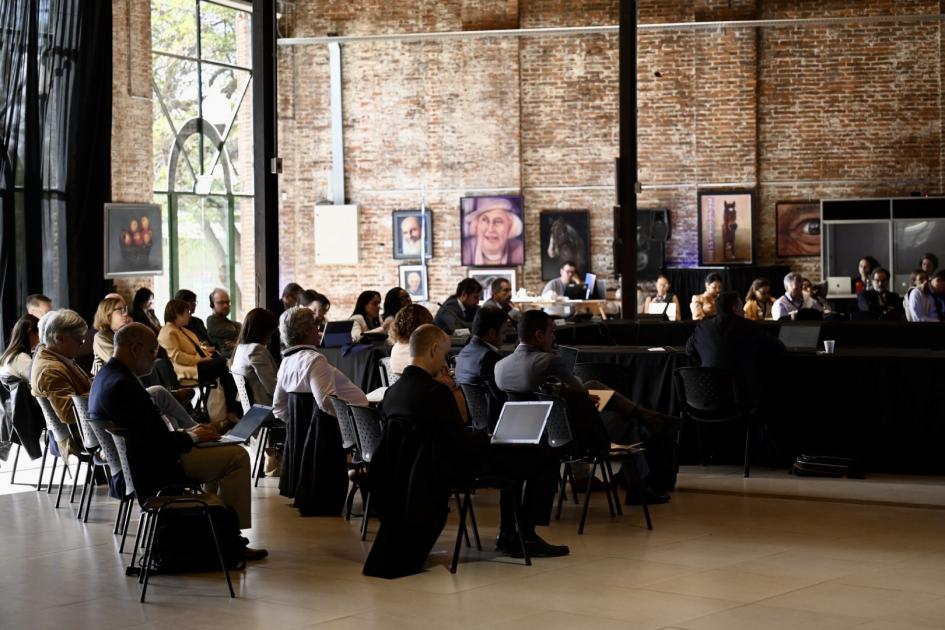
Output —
(55, 159)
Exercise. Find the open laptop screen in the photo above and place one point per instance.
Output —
(799, 336)
(522, 422)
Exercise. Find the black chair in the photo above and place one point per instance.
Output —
(28, 424)
(560, 432)
(349, 442)
(388, 378)
(153, 508)
(91, 451)
(477, 402)
(369, 431)
(59, 431)
(262, 437)
(121, 481)
(464, 504)
(708, 397)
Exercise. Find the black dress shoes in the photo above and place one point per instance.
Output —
(537, 547)
(250, 554)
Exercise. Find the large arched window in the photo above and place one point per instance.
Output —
(203, 151)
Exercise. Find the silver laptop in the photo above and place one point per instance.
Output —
(568, 355)
(522, 422)
(839, 285)
(244, 429)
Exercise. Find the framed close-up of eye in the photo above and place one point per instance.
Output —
(798, 228)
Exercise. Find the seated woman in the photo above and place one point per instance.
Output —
(928, 263)
(407, 320)
(252, 359)
(366, 315)
(758, 302)
(396, 299)
(703, 304)
(142, 310)
(16, 359)
(862, 280)
(110, 315)
(664, 297)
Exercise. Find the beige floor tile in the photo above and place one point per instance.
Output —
(731, 585)
(844, 599)
(901, 577)
(756, 617)
(802, 563)
(930, 613)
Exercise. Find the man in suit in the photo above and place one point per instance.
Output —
(168, 457)
(501, 298)
(460, 308)
(879, 300)
(729, 341)
(475, 364)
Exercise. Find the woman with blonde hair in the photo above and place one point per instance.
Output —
(111, 314)
(407, 320)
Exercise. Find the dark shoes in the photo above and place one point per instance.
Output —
(537, 548)
(658, 423)
(250, 554)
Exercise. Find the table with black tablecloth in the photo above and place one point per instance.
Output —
(359, 363)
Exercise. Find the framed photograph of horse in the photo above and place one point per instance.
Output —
(726, 227)
(565, 236)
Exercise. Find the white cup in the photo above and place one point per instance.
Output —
(829, 346)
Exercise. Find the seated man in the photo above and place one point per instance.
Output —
(305, 370)
(420, 403)
(475, 364)
(502, 298)
(558, 285)
(879, 300)
(222, 330)
(38, 305)
(732, 342)
(55, 375)
(460, 308)
(168, 456)
(793, 299)
(927, 302)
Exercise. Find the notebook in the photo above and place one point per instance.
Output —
(244, 429)
(522, 422)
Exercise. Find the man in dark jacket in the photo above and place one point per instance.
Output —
(427, 450)
(879, 300)
(459, 309)
(475, 364)
(165, 457)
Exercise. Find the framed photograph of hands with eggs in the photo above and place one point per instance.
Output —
(133, 240)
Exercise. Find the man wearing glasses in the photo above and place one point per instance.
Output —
(222, 330)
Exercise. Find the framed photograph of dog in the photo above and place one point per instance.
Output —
(565, 236)
(798, 228)
(726, 227)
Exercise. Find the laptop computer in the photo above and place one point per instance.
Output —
(800, 337)
(568, 355)
(575, 292)
(839, 285)
(522, 423)
(337, 334)
(244, 429)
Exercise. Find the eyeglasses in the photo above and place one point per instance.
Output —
(123, 310)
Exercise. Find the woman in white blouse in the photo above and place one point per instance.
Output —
(407, 320)
(366, 315)
(17, 358)
(252, 359)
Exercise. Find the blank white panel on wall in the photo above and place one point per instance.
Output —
(336, 235)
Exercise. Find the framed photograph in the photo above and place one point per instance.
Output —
(492, 231)
(133, 240)
(726, 226)
(565, 236)
(486, 277)
(413, 278)
(408, 229)
(798, 228)
(337, 235)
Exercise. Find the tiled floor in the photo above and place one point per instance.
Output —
(713, 562)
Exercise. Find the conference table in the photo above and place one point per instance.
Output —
(882, 404)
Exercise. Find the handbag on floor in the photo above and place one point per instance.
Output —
(183, 543)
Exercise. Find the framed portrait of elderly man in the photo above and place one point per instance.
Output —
(493, 231)
(413, 278)
(726, 227)
(409, 227)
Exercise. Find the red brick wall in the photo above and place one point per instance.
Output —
(795, 113)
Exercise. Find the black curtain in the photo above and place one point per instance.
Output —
(55, 166)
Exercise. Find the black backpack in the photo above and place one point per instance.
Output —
(183, 544)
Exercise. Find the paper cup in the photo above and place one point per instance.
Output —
(829, 346)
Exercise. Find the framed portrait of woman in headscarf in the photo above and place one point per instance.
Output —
(493, 231)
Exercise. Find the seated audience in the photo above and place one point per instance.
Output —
(396, 299)
(663, 297)
(929, 263)
(758, 302)
(166, 457)
(703, 304)
(110, 315)
(460, 308)
(407, 320)
(793, 299)
(562, 282)
(812, 291)
(927, 303)
(501, 298)
(55, 375)
(475, 364)
(222, 330)
(736, 344)
(305, 370)
(916, 279)
(16, 360)
(191, 359)
(879, 300)
(865, 267)
(195, 325)
(290, 296)
(366, 315)
(419, 409)
(38, 305)
(317, 303)
(142, 309)
(251, 357)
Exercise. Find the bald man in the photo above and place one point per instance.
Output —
(166, 457)
(420, 408)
